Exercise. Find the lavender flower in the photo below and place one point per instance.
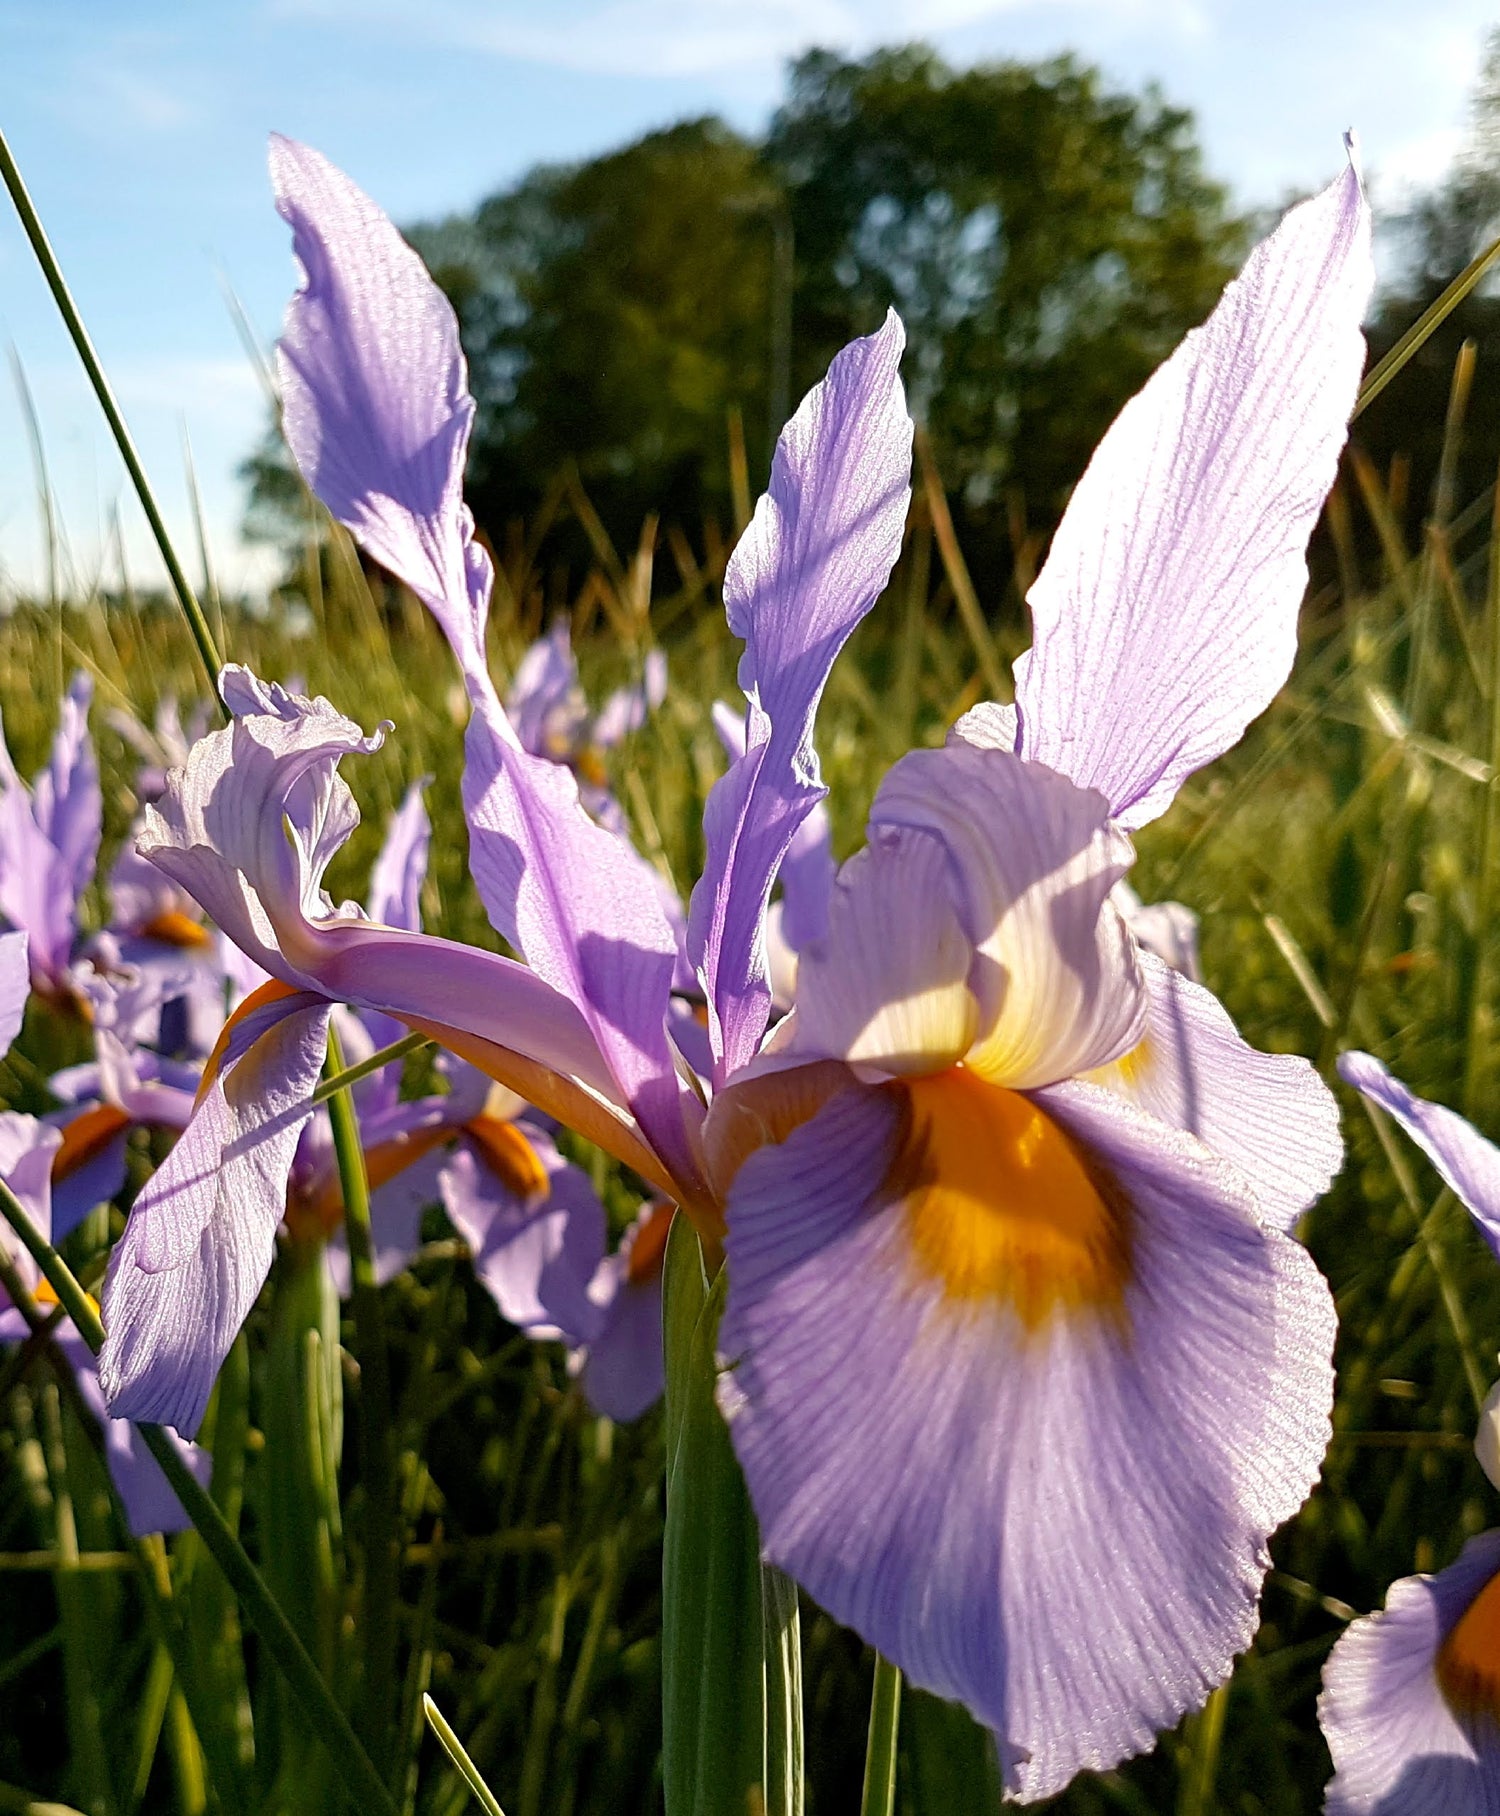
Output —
(1024, 1365)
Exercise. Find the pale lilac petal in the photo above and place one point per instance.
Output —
(26, 1150)
(535, 1260)
(99, 1180)
(66, 799)
(545, 690)
(623, 1370)
(1033, 860)
(1269, 1114)
(1169, 929)
(814, 560)
(15, 986)
(888, 990)
(587, 914)
(1165, 618)
(378, 417)
(395, 898)
(1063, 1527)
(149, 1502)
(220, 831)
(36, 889)
(627, 708)
(1398, 1749)
(375, 404)
(200, 1237)
(1469, 1165)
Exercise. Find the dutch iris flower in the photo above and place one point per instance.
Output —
(1021, 1361)
(1411, 1696)
(49, 841)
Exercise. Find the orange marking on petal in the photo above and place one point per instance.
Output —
(648, 1251)
(272, 991)
(508, 1154)
(1468, 1661)
(174, 928)
(86, 1137)
(589, 764)
(1000, 1205)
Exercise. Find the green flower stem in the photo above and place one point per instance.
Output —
(260, 1607)
(377, 1062)
(880, 1755)
(1426, 325)
(377, 1464)
(62, 296)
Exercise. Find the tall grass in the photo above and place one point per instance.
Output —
(1343, 860)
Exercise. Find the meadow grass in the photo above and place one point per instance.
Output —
(1343, 861)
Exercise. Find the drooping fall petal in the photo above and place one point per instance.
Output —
(1028, 1442)
(198, 1244)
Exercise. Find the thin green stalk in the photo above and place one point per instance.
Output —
(879, 1797)
(454, 1748)
(377, 1461)
(1426, 324)
(260, 1607)
(1488, 830)
(62, 296)
(1196, 1797)
(377, 1062)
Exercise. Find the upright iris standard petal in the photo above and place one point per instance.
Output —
(1033, 860)
(1268, 1114)
(375, 404)
(1165, 618)
(814, 560)
(198, 1244)
(378, 417)
(1411, 1697)
(1029, 1440)
(1469, 1165)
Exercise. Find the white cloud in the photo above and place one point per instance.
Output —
(706, 37)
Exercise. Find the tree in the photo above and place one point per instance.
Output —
(1047, 240)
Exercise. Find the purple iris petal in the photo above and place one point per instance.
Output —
(1269, 1114)
(395, 900)
(1165, 618)
(534, 1258)
(622, 1370)
(814, 560)
(67, 801)
(198, 1244)
(1398, 1747)
(377, 415)
(1062, 1526)
(148, 1500)
(545, 690)
(627, 708)
(1469, 1165)
(373, 389)
(15, 985)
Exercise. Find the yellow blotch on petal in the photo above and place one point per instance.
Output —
(999, 1205)
(1468, 1661)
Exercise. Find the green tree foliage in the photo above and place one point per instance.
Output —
(1047, 241)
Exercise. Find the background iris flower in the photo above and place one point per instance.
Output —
(1411, 1696)
(1021, 1362)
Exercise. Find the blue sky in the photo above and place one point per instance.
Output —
(141, 129)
